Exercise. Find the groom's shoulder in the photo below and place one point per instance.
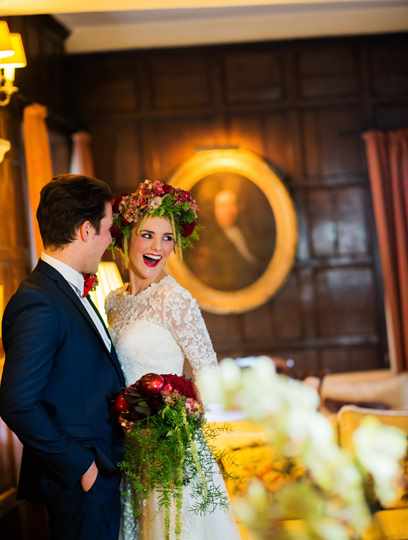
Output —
(34, 288)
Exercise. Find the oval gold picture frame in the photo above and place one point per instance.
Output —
(255, 169)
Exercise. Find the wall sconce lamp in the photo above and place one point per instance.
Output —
(6, 48)
(5, 146)
(9, 62)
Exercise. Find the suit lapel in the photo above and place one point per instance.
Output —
(98, 315)
(66, 289)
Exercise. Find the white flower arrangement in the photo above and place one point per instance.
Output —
(330, 498)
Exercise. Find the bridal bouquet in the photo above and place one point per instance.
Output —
(166, 447)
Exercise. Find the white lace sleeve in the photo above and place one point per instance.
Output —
(110, 306)
(183, 316)
(109, 302)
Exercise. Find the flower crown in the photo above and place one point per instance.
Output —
(155, 199)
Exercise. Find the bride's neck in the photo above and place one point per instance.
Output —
(138, 284)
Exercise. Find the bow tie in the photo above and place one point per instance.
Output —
(90, 283)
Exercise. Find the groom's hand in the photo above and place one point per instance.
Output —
(88, 479)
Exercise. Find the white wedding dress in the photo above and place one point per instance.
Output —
(154, 332)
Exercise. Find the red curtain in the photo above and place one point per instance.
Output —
(387, 156)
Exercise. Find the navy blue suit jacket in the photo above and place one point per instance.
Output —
(58, 383)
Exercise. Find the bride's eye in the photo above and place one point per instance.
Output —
(146, 235)
(168, 238)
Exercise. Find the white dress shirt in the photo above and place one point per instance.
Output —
(76, 281)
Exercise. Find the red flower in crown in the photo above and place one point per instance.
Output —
(90, 283)
(158, 188)
(115, 231)
(167, 188)
(115, 203)
(187, 229)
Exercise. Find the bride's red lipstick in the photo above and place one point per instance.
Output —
(152, 260)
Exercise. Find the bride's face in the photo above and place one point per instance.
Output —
(150, 246)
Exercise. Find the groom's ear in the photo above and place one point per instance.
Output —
(85, 231)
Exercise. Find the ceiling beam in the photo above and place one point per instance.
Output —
(234, 28)
(32, 7)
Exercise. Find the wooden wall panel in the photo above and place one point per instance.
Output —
(346, 306)
(333, 152)
(353, 359)
(258, 324)
(168, 143)
(278, 142)
(392, 116)
(107, 86)
(285, 317)
(179, 81)
(246, 130)
(351, 223)
(117, 150)
(329, 71)
(388, 67)
(323, 230)
(254, 76)
(302, 105)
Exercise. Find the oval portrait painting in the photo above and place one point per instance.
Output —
(237, 237)
(248, 231)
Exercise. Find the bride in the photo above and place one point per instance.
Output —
(156, 325)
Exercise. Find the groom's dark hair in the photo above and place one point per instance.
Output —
(66, 202)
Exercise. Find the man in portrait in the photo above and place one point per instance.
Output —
(238, 235)
(226, 213)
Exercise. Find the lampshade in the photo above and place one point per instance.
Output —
(6, 47)
(5, 146)
(18, 58)
(1, 304)
(109, 279)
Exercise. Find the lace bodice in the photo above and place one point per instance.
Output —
(157, 329)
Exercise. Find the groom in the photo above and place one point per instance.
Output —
(61, 370)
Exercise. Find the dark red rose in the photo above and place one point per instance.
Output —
(151, 383)
(117, 236)
(142, 201)
(120, 404)
(116, 232)
(124, 222)
(187, 229)
(183, 196)
(115, 204)
(184, 386)
(167, 188)
(158, 188)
